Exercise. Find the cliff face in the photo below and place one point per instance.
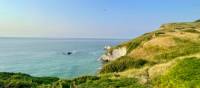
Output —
(149, 45)
(115, 54)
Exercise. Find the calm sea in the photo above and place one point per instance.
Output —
(48, 57)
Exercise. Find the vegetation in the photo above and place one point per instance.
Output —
(112, 83)
(191, 30)
(153, 54)
(165, 58)
(197, 20)
(122, 64)
(135, 42)
(185, 74)
(179, 51)
(18, 80)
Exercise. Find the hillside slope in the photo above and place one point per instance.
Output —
(155, 54)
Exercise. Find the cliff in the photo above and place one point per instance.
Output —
(150, 44)
(115, 54)
(154, 56)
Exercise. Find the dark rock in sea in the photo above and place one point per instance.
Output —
(69, 53)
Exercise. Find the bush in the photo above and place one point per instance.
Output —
(19, 84)
(159, 33)
(19, 80)
(122, 64)
(61, 84)
(197, 20)
(7, 75)
(191, 31)
(83, 79)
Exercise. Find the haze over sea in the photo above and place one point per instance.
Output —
(46, 57)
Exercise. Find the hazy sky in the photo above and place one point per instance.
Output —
(91, 18)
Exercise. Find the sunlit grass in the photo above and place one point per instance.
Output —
(112, 83)
(185, 74)
(18, 80)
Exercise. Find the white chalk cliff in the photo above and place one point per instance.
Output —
(115, 54)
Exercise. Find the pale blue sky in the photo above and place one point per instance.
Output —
(91, 18)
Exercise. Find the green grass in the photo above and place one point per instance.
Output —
(112, 83)
(83, 79)
(185, 74)
(137, 41)
(122, 64)
(132, 44)
(19, 80)
(184, 47)
(177, 52)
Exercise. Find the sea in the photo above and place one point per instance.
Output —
(49, 57)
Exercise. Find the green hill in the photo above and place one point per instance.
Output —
(153, 55)
(168, 57)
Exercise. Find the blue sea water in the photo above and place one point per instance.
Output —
(47, 57)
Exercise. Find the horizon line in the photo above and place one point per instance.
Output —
(63, 38)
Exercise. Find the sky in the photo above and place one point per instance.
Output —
(91, 18)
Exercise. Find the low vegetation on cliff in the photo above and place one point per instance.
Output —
(19, 80)
(185, 74)
(164, 54)
(166, 58)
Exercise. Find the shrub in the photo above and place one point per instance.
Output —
(159, 33)
(19, 84)
(44, 80)
(83, 79)
(112, 83)
(122, 64)
(61, 84)
(191, 31)
(19, 80)
(7, 75)
(197, 20)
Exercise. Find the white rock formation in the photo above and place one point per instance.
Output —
(115, 54)
(107, 47)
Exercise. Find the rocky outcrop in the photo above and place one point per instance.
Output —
(114, 54)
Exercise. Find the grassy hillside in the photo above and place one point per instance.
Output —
(168, 57)
(19, 80)
(153, 54)
(185, 74)
(168, 42)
